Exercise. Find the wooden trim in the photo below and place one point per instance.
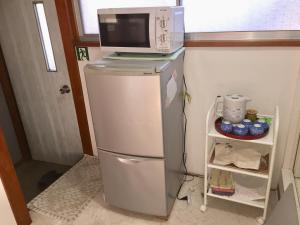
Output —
(11, 185)
(13, 109)
(236, 43)
(88, 43)
(69, 33)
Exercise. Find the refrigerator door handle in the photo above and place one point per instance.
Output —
(143, 70)
(130, 160)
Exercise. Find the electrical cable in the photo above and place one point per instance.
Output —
(184, 158)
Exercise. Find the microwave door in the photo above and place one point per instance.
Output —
(125, 30)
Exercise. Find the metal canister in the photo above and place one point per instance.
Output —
(251, 115)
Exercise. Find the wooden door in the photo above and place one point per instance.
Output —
(48, 116)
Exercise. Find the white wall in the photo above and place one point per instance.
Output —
(6, 214)
(267, 75)
(293, 139)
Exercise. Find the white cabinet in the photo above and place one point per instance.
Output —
(268, 142)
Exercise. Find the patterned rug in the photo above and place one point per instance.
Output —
(67, 197)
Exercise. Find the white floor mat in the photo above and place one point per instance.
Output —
(67, 197)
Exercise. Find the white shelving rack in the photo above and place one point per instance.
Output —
(269, 141)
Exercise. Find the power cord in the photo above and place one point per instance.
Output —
(184, 158)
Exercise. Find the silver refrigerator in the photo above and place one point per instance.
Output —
(137, 112)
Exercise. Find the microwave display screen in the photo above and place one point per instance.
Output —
(124, 30)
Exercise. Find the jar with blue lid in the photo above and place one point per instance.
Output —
(256, 129)
(263, 123)
(226, 126)
(247, 123)
(240, 130)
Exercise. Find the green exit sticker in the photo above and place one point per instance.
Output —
(82, 53)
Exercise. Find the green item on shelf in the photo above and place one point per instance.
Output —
(268, 120)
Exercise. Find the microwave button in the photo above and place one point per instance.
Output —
(163, 38)
(164, 49)
(163, 23)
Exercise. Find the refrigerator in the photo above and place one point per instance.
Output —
(137, 113)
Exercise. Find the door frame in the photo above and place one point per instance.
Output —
(11, 102)
(68, 29)
(12, 186)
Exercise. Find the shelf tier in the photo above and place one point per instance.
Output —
(267, 140)
(239, 199)
(232, 168)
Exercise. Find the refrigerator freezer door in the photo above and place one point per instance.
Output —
(134, 183)
(126, 111)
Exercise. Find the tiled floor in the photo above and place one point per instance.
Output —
(30, 172)
(219, 212)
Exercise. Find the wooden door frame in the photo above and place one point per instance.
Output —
(12, 186)
(8, 174)
(13, 109)
(65, 13)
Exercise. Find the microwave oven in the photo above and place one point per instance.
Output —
(141, 30)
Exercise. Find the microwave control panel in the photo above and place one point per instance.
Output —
(162, 31)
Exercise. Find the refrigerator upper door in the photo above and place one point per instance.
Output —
(126, 111)
(134, 183)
